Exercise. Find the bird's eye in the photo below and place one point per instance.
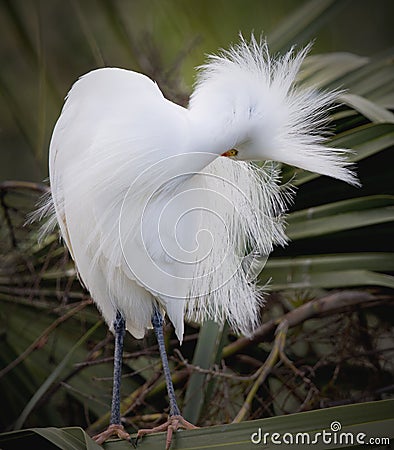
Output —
(230, 153)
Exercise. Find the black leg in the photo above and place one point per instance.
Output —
(175, 421)
(119, 328)
(157, 322)
(116, 428)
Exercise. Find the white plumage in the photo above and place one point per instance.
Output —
(148, 208)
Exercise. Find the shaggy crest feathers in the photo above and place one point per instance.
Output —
(272, 117)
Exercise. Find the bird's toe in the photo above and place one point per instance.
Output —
(171, 425)
(114, 430)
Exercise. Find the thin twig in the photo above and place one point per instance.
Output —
(214, 372)
(321, 306)
(265, 369)
(28, 185)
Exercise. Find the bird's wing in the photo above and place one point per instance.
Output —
(114, 127)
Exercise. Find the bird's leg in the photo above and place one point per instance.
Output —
(120, 329)
(175, 419)
(157, 322)
(116, 428)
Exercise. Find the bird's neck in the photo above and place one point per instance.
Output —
(215, 131)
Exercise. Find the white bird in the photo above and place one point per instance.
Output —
(157, 222)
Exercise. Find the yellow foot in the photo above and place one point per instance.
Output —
(172, 424)
(112, 430)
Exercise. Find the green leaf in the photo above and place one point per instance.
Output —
(303, 23)
(340, 222)
(381, 262)
(372, 419)
(370, 110)
(365, 140)
(329, 280)
(205, 355)
(340, 216)
(368, 78)
(372, 78)
(330, 209)
(72, 438)
(329, 271)
(321, 70)
(52, 377)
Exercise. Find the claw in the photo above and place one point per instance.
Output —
(133, 442)
(172, 424)
(112, 430)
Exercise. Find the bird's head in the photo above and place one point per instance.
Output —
(249, 103)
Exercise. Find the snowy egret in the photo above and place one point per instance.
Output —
(162, 207)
